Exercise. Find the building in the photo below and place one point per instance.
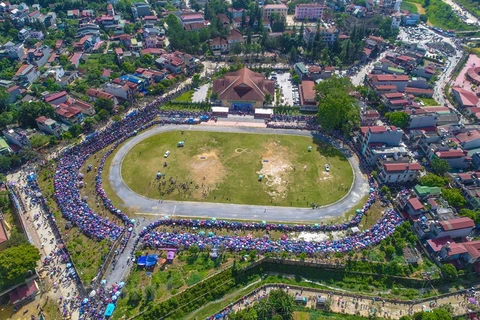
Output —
(120, 91)
(307, 95)
(26, 75)
(399, 81)
(454, 228)
(191, 18)
(465, 98)
(469, 140)
(243, 90)
(23, 34)
(220, 45)
(141, 9)
(398, 172)
(94, 94)
(279, 9)
(233, 13)
(68, 114)
(327, 35)
(388, 135)
(301, 70)
(309, 11)
(17, 137)
(56, 98)
(49, 126)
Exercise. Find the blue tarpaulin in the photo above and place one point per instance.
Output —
(142, 260)
(151, 260)
(109, 311)
(134, 112)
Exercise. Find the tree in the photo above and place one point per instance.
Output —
(439, 166)
(449, 272)
(397, 118)
(104, 104)
(29, 111)
(432, 180)
(89, 123)
(129, 28)
(293, 54)
(454, 197)
(17, 263)
(214, 96)
(474, 215)
(389, 251)
(134, 297)
(337, 110)
(194, 250)
(150, 293)
(39, 140)
(17, 239)
(127, 67)
(75, 130)
(268, 98)
(196, 80)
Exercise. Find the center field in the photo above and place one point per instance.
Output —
(225, 167)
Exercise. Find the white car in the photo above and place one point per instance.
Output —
(166, 154)
(327, 168)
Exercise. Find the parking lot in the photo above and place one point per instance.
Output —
(288, 92)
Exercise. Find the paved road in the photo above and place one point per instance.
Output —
(145, 205)
(201, 94)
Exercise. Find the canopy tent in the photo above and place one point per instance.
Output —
(142, 261)
(170, 255)
(355, 230)
(151, 260)
(110, 309)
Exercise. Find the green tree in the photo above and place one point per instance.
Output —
(89, 123)
(440, 166)
(127, 67)
(17, 239)
(337, 109)
(389, 251)
(75, 130)
(17, 263)
(134, 297)
(454, 197)
(293, 54)
(29, 111)
(432, 180)
(103, 104)
(196, 80)
(194, 250)
(474, 215)
(150, 292)
(39, 140)
(397, 118)
(449, 272)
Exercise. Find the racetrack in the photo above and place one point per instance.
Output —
(143, 205)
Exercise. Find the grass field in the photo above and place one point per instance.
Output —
(224, 167)
(408, 6)
(185, 97)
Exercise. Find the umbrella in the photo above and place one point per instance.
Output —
(92, 294)
(284, 237)
(214, 219)
(114, 297)
(166, 217)
(130, 229)
(316, 224)
(249, 236)
(358, 211)
(201, 233)
(132, 221)
(85, 300)
(121, 284)
(119, 211)
(264, 222)
(211, 234)
(103, 281)
(85, 198)
(69, 265)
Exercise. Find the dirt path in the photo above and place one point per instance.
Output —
(420, 9)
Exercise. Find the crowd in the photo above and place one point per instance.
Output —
(382, 229)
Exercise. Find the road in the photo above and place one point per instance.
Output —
(148, 206)
(463, 14)
(359, 77)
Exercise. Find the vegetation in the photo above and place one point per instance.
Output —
(337, 110)
(442, 15)
(278, 305)
(454, 197)
(407, 6)
(185, 97)
(397, 118)
(433, 180)
(231, 163)
(439, 166)
(17, 263)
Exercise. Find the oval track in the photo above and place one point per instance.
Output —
(144, 205)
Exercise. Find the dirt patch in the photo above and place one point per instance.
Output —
(207, 172)
(421, 10)
(275, 169)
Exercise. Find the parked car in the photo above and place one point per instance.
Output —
(166, 154)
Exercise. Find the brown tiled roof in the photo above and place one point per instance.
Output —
(243, 85)
(457, 224)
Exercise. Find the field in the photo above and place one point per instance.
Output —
(225, 167)
(408, 6)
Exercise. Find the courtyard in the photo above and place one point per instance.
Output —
(261, 169)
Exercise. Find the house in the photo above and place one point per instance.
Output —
(301, 70)
(454, 228)
(49, 126)
(473, 251)
(399, 81)
(233, 13)
(23, 293)
(39, 56)
(56, 98)
(141, 9)
(94, 94)
(26, 75)
(187, 18)
(278, 9)
(420, 119)
(369, 117)
(23, 34)
(75, 59)
(122, 91)
(307, 94)
(68, 114)
(88, 29)
(414, 207)
(377, 142)
(243, 90)
(221, 45)
(469, 140)
(398, 172)
(17, 137)
(456, 158)
(327, 35)
(309, 11)
(464, 97)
